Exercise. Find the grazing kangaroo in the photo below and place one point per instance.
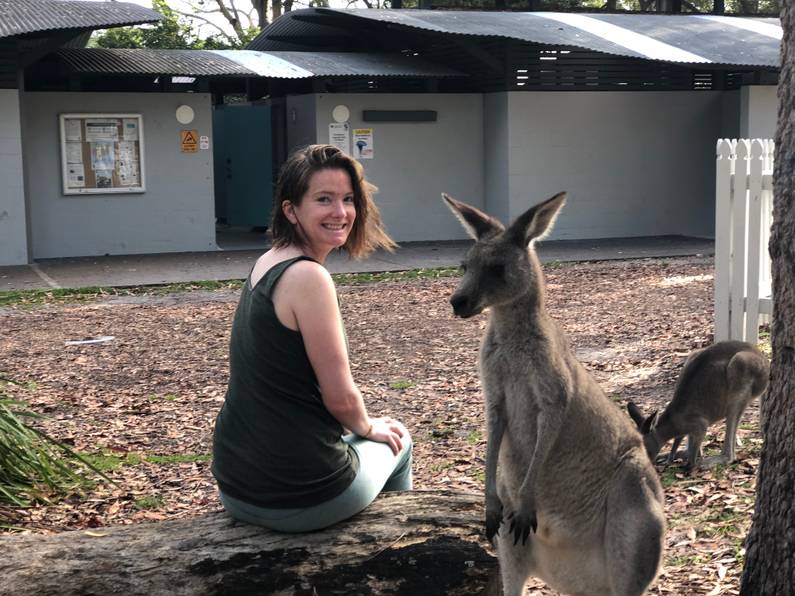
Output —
(715, 383)
(561, 460)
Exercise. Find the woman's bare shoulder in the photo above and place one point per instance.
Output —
(307, 276)
(301, 271)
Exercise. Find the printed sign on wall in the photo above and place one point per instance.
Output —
(363, 143)
(189, 140)
(339, 135)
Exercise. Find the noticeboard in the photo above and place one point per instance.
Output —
(102, 153)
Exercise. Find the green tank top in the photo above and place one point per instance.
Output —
(275, 444)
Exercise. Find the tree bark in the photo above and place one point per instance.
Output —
(420, 542)
(770, 546)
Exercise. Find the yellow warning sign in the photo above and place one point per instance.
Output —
(189, 140)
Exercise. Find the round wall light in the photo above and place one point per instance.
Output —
(185, 114)
(340, 113)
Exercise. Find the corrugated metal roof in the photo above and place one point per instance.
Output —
(293, 28)
(337, 64)
(18, 17)
(191, 63)
(264, 64)
(691, 39)
(281, 65)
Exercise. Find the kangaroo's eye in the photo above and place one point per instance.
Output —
(495, 271)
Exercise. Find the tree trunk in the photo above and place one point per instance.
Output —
(420, 542)
(276, 11)
(770, 557)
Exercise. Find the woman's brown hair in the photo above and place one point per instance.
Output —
(367, 232)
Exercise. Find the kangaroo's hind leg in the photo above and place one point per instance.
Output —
(633, 530)
(747, 378)
(729, 441)
(694, 442)
(516, 562)
(729, 454)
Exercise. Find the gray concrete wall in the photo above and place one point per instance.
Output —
(301, 121)
(496, 142)
(758, 112)
(13, 223)
(414, 162)
(175, 214)
(634, 164)
(730, 115)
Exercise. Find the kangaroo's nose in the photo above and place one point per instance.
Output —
(459, 304)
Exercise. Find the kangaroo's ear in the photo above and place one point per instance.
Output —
(537, 222)
(635, 414)
(649, 423)
(475, 222)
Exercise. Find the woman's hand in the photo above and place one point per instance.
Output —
(387, 430)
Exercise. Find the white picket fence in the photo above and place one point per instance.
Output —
(743, 215)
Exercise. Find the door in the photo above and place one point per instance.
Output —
(243, 165)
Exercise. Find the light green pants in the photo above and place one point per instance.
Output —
(379, 470)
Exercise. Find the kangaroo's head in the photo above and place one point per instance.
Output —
(646, 426)
(502, 265)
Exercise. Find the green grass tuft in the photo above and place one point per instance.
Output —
(401, 384)
(23, 298)
(178, 458)
(150, 502)
(107, 461)
(352, 279)
(474, 437)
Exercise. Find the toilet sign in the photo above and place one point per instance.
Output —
(189, 139)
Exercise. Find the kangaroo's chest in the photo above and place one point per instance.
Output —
(513, 371)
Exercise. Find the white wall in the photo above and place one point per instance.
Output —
(13, 223)
(175, 214)
(633, 163)
(758, 112)
(496, 138)
(414, 162)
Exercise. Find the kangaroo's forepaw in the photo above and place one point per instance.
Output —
(672, 457)
(521, 524)
(493, 521)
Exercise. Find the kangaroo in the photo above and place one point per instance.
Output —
(715, 383)
(564, 466)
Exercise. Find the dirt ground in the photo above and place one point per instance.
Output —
(144, 402)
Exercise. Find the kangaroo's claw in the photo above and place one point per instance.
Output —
(493, 522)
(521, 524)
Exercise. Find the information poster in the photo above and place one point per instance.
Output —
(363, 143)
(339, 135)
(102, 153)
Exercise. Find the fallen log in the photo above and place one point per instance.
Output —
(413, 543)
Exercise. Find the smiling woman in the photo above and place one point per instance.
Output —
(281, 453)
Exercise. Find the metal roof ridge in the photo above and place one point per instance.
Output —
(609, 33)
(263, 63)
(747, 23)
(636, 42)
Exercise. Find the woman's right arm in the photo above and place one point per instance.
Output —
(307, 291)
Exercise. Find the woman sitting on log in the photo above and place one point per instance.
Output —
(280, 453)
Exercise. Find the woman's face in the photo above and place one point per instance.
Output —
(326, 212)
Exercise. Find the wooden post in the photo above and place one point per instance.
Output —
(739, 239)
(724, 172)
(754, 241)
